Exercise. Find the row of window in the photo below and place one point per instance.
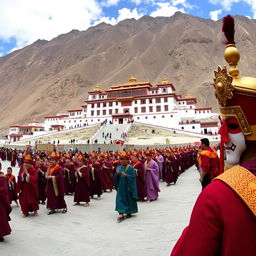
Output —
(150, 109)
(138, 118)
(144, 101)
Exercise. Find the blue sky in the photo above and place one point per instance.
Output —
(24, 21)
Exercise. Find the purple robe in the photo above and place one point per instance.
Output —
(160, 161)
(152, 180)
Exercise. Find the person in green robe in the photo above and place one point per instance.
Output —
(125, 183)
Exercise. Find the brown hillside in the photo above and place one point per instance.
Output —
(49, 77)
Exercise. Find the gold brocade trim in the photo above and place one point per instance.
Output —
(236, 111)
(93, 175)
(243, 183)
(55, 187)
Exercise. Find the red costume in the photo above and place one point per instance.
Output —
(28, 190)
(55, 189)
(82, 185)
(5, 208)
(12, 188)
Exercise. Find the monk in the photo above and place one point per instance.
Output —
(28, 187)
(160, 162)
(152, 178)
(41, 169)
(107, 173)
(140, 177)
(82, 184)
(12, 186)
(5, 208)
(96, 177)
(55, 186)
(69, 178)
(125, 183)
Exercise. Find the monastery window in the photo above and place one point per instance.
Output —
(146, 117)
(92, 113)
(150, 101)
(104, 104)
(98, 112)
(92, 105)
(182, 127)
(98, 105)
(154, 117)
(110, 104)
(93, 96)
(150, 109)
(98, 120)
(162, 116)
(138, 118)
(136, 110)
(143, 101)
(156, 91)
(165, 99)
(104, 112)
(164, 90)
(203, 111)
(166, 108)
(158, 108)
(179, 103)
(80, 121)
(143, 109)
(75, 121)
(110, 111)
(171, 115)
(116, 111)
(199, 112)
(193, 127)
(135, 101)
(158, 100)
(69, 121)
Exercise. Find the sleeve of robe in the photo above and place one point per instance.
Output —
(131, 178)
(33, 179)
(203, 236)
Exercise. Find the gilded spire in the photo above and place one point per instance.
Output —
(232, 57)
(165, 81)
(97, 89)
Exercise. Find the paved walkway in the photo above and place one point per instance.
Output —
(94, 231)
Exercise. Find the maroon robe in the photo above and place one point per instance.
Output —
(41, 183)
(56, 201)
(171, 170)
(5, 208)
(140, 179)
(82, 185)
(28, 190)
(96, 179)
(69, 178)
(107, 176)
(13, 159)
(12, 188)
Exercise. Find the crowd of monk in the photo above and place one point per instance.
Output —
(46, 177)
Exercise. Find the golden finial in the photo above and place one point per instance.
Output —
(232, 57)
(97, 89)
(165, 81)
(132, 80)
(189, 96)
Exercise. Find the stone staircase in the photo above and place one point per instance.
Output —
(111, 132)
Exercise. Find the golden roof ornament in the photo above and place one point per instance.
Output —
(223, 86)
(97, 89)
(165, 81)
(132, 80)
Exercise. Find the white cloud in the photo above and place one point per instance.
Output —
(165, 10)
(215, 14)
(29, 20)
(108, 3)
(227, 4)
(123, 14)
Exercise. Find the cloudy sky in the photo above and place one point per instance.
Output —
(24, 21)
